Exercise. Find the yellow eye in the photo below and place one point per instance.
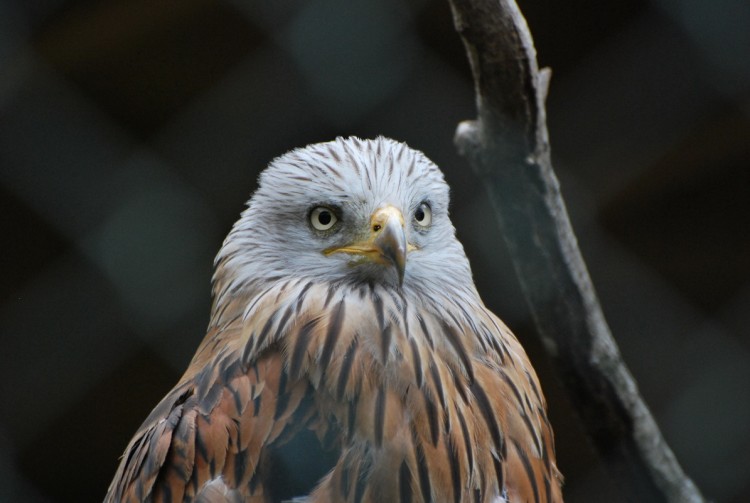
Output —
(322, 218)
(423, 215)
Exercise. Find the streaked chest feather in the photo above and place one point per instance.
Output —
(432, 392)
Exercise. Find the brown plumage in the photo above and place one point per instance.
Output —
(363, 325)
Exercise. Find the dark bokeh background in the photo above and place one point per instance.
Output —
(132, 132)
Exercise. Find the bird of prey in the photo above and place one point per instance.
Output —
(343, 304)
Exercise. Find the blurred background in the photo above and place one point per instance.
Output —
(132, 133)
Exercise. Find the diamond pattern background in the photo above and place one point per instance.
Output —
(132, 133)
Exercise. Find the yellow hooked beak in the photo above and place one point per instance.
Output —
(386, 243)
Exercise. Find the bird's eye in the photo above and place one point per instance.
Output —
(322, 218)
(423, 215)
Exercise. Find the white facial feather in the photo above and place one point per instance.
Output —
(274, 239)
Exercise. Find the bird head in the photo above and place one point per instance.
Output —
(347, 211)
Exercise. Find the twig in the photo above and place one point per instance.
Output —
(508, 147)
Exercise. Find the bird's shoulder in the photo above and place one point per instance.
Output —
(206, 436)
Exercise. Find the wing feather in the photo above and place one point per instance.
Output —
(206, 438)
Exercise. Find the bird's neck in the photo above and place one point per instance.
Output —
(321, 320)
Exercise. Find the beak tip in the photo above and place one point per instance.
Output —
(392, 245)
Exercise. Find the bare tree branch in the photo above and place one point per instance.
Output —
(508, 147)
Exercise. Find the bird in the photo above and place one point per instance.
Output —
(344, 306)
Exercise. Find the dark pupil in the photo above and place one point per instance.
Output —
(324, 217)
(419, 215)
